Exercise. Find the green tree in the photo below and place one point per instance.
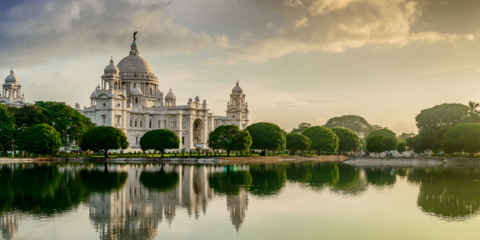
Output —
(388, 144)
(313, 175)
(381, 177)
(39, 139)
(406, 135)
(159, 180)
(30, 115)
(374, 144)
(297, 142)
(7, 128)
(384, 132)
(103, 138)
(229, 138)
(462, 137)
(159, 140)
(402, 147)
(71, 124)
(355, 123)
(323, 139)
(301, 127)
(267, 136)
(433, 123)
(348, 139)
(473, 107)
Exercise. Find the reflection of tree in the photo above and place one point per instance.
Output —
(103, 180)
(448, 193)
(160, 180)
(350, 182)
(40, 190)
(381, 177)
(313, 175)
(267, 180)
(229, 183)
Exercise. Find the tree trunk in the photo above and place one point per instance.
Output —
(470, 155)
(162, 152)
(263, 152)
(228, 153)
(106, 153)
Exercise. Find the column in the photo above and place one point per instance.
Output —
(180, 130)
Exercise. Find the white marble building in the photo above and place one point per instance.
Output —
(12, 92)
(129, 98)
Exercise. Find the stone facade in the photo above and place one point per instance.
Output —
(12, 92)
(129, 98)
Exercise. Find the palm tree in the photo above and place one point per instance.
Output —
(473, 106)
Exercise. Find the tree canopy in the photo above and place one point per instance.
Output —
(267, 136)
(104, 138)
(297, 142)
(230, 182)
(39, 139)
(388, 144)
(348, 139)
(402, 147)
(353, 122)
(97, 180)
(374, 144)
(301, 127)
(384, 132)
(67, 121)
(266, 180)
(462, 137)
(323, 139)
(229, 138)
(434, 122)
(159, 140)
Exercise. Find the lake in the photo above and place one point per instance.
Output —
(273, 201)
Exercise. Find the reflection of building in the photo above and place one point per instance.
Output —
(237, 206)
(135, 212)
(129, 98)
(9, 223)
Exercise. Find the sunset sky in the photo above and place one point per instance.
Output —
(296, 60)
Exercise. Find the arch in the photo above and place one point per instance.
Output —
(136, 100)
(198, 130)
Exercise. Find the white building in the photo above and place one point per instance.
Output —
(129, 98)
(12, 92)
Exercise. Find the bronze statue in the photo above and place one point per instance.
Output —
(134, 38)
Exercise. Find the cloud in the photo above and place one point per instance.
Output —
(331, 26)
(35, 31)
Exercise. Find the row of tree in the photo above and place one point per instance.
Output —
(42, 127)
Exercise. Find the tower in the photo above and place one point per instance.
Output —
(237, 108)
(12, 91)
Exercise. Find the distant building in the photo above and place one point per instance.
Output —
(12, 92)
(129, 98)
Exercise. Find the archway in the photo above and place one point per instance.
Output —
(197, 131)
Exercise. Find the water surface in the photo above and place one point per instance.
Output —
(275, 201)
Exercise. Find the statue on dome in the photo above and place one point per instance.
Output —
(134, 34)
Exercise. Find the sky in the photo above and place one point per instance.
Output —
(296, 60)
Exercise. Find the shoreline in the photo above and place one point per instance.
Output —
(181, 160)
(409, 162)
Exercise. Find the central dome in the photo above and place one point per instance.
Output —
(134, 63)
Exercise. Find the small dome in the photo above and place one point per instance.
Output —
(170, 96)
(136, 91)
(11, 78)
(111, 69)
(94, 94)
(237, 89)
(134, 44)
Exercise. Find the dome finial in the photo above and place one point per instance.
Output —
(11, 71)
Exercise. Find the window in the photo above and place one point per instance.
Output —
(118, 119)
(196, 126)
(150, 124)
(135, 123)
(131, 125)
(104, 105)
(158, 124)
(196, 140)
(140, 123)
(104, 118)
(136, 140)
(174, 124)
(183, 140)
(233, 116)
